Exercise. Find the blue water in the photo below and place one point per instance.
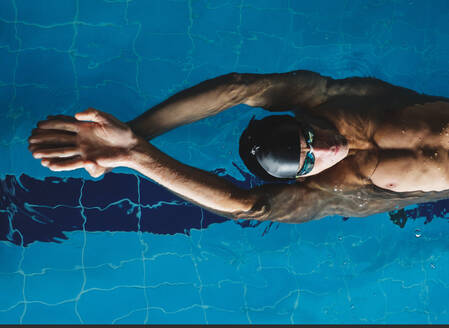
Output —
(121, 249)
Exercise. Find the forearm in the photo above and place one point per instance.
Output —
(197, 186)
(203, 100)
(271, 91)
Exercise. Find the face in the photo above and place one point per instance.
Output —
(327, 146)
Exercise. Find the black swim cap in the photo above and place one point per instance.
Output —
(274, 143)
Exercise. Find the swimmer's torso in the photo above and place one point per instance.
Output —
(402, 149)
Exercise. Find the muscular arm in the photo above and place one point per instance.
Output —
(194, 185)
(275, 202)
(200, 101)
(275, 92)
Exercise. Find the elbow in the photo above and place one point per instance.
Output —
(243, 88)
(257, 208)
(236, 89)
(234, 77)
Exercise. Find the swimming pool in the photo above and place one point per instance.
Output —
(121, 249)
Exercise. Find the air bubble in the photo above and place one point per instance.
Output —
(418, 233)
(433, 266)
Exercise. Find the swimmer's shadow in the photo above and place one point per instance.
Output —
(42, 210)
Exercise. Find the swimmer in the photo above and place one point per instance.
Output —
(351, 147)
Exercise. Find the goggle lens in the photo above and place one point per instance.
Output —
(309, 161)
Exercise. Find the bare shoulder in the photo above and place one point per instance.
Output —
(333, 192)
(296, 203)
(314, 199)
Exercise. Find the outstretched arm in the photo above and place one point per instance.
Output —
(274, 92)
(98, 138)
(295, 203)
(200, 101)
(197, 186)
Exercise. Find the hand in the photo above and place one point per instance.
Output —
(93, 169)
(67, 143)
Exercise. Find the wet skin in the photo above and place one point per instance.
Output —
(378, 147)
(403, 150)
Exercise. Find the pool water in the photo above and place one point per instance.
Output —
(122, 249)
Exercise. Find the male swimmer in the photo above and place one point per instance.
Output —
(354, 146)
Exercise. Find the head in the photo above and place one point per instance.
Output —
(279, 147)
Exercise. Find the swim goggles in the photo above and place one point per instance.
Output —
(309, 161)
